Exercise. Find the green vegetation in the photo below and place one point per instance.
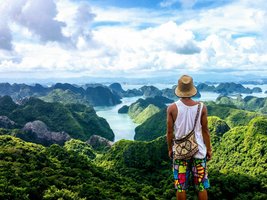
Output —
(243, 150)
(248, 103)
(7, 105)
(231, 114)
(80, 147)
(123, 109)
(217, 128)
(65, 97)
(152, 128)
(136, 154)
(78, 120)
(146, 113)
(133, 169)
(143, 109)
(30, 171)
(101, 96)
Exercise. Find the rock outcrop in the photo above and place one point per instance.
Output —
(99, 143)
(123, 109)
(116, 87)
(38, 132)
(256, 90)
(132, 93)
(150, 91)
(101, 96)
(7, 123)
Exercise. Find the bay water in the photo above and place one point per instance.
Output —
(121, 124)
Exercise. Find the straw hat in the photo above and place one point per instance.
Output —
(185, 87)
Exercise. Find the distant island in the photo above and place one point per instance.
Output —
(228, 88)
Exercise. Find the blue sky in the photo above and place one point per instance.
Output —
(54, 39)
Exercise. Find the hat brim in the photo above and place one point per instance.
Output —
(190, 93)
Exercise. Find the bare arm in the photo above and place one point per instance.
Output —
(205, 131)
(169, 133)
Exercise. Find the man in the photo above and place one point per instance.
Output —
(180, 121)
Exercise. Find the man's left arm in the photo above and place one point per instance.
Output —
(205, 131)
(169, 133)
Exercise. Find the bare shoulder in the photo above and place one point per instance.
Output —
(204, 109)
(172, 107)
(203, 104)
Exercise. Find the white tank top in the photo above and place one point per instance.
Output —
(184, 123)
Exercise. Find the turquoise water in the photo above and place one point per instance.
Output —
(122, 125)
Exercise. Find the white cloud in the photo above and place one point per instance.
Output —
(78, 19)
(38, 16)
(153, 48)
(35, 15)
(133, 42)
(41, 19)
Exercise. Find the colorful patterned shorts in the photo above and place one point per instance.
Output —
(186, 170)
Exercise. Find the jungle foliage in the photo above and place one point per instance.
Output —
(78, 120)
(133, 169)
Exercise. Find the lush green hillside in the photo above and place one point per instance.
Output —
(217, 128)
(30, 171)
(152, 128)
(231, 114)
(78, 120)
(65, 97)
(146, 163)
(133, 169)
(7, 105)
(248, 103)
(243, 151)
(101, 96)
(136, 154)
(146, 113)
(143, 109)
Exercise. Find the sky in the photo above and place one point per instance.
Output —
(57, 39)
